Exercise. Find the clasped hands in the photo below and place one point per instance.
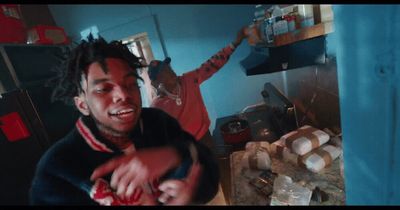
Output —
(132, 170)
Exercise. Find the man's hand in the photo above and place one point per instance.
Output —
(132, 170)
(180, 192)
(240, 36)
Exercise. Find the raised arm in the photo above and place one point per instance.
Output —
(217, 61)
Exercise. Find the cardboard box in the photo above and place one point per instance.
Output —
(42, 34)
(11, 24)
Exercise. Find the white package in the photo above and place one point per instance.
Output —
(321, 157)
(280, 151)
(305, 139)
(252, 145)
(314, 161)
(256, 156)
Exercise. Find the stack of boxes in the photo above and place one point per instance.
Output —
(306, 147)
(42, 34)
(14, 30)
(11, 24)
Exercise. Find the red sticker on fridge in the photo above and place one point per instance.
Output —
(13, 127)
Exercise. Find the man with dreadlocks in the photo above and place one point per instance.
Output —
(118, 153)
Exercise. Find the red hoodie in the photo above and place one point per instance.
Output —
(192, 113)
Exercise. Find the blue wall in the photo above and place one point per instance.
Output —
(367, 39)
(191, 34)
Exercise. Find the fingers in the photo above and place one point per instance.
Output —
(108, 167)
(117, 175)
(240, 35)
(172, 189)
(163, 198)
(130, 171)
(118, 182)
(129, 190)
(243, 30)
(136, 174)
(169, 185)
(181, 192)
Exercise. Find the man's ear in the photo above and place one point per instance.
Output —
(81, 104)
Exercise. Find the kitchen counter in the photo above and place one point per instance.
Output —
(235, 186)
(260, 131)
(328, 180)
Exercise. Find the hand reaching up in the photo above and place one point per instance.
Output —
(240, 36)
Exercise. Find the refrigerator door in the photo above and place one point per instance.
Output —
(18, 159)
(24, 72)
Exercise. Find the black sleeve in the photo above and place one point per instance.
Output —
(181, 140)
(209, 180)
(208, 184)
(59, 181)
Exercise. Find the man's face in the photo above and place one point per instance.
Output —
(166, 77)
(112, 99)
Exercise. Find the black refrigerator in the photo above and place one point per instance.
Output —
(20, 149)
(30, 122)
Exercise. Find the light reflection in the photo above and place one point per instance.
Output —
(263, 132)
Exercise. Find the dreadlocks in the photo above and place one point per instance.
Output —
(75, 63)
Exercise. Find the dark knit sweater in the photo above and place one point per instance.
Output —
(63, 173)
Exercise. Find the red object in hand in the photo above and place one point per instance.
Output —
(13, 127)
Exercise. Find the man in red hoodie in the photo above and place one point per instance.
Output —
(180, 96)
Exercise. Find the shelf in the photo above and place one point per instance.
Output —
(32, 45)
(263, 60)
(303, 34)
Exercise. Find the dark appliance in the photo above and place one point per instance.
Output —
(20, 151)
(26, 100)
(282, 116)
(29, 67)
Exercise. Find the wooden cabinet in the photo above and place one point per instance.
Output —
(295, 49)
(320, 29)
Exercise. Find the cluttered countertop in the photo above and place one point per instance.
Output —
(244, 185)
(328, 181)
